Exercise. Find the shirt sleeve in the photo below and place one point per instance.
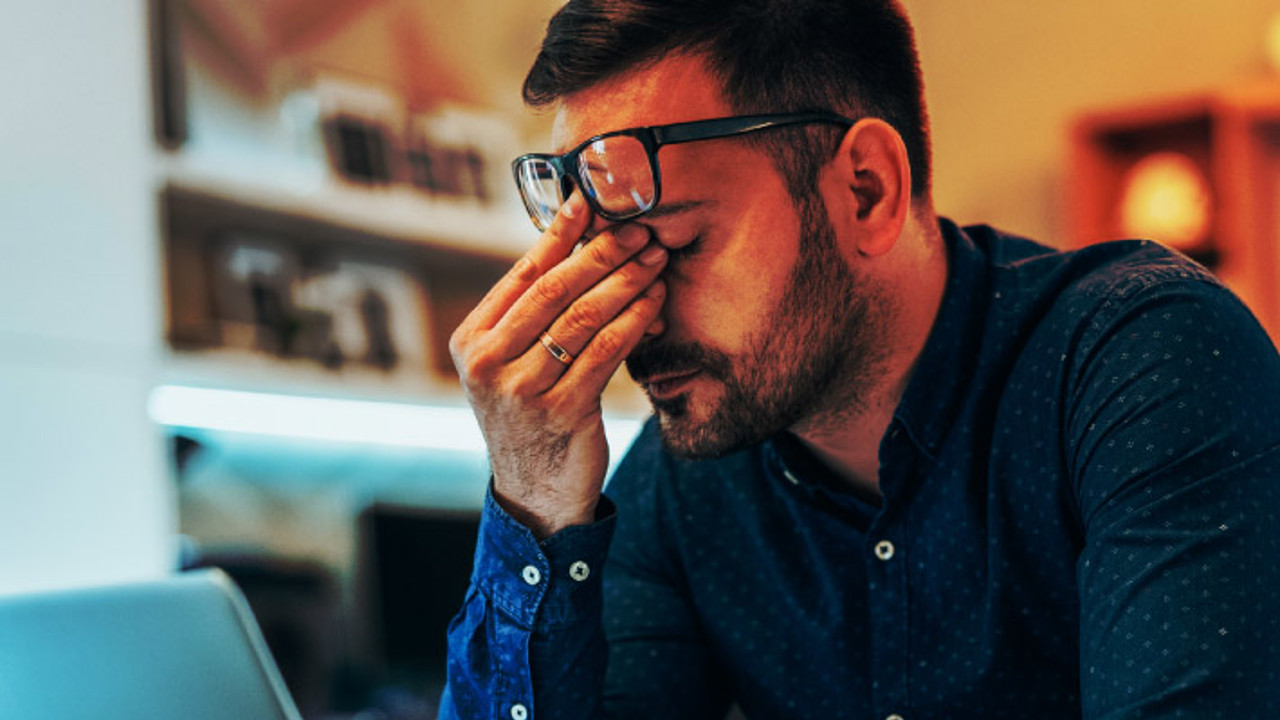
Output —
(1174, 430)
(551, 630)
(528, 641)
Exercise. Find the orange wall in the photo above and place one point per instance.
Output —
(1005, 78)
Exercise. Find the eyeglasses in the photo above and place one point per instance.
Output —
(618, 172)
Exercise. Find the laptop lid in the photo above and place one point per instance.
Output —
(182, 647)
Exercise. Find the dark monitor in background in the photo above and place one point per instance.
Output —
(415, 566)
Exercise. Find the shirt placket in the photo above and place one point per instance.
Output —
(887, 574)
(886, 570)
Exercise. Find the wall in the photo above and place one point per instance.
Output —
(1004, 79)
(83, 495)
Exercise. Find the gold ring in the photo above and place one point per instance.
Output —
(557, 351)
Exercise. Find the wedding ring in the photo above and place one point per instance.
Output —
(556, 350)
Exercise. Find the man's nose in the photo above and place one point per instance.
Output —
(599, 225)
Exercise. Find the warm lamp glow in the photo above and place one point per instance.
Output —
(1273, 41)
(1166, 197)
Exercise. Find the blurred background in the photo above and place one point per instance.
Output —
(234, 237)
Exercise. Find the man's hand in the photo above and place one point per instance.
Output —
(541, 417)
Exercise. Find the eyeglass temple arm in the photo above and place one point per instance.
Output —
(725, 127)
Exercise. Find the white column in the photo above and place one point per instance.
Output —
(84, 494)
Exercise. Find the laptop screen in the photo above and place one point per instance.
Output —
(182, 647)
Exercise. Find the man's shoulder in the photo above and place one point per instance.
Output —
(1120, 269)
(1036, 308)
(1115, 268)
(1030, 282)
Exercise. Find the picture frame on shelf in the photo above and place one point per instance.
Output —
(334, 308)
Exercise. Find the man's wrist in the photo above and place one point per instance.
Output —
(552, 583)
(545, 522)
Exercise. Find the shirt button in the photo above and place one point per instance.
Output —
(579, 571)
(894, 716)
(884, 551)
(531, 576)
(791, 478)
(520, 712)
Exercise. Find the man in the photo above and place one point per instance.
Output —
(897, 469)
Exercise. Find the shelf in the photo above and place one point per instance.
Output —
(217, 396)
(450, 252)
(432, 286)
(397, 212)
(241, 370)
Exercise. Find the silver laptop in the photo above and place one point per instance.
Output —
(184, 647)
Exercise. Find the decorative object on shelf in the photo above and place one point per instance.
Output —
(443, 170)
(378, 311)
(358, 149)
(251, 280)
(453, 152)
(372, 139)
(1199, 173)
(324, 305)
(361, 123)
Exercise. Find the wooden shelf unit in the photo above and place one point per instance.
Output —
(454, 254)
(454, 279)
(1233, 135)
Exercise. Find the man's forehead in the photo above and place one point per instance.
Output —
(676, 88)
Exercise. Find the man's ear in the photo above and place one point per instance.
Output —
(874, 175)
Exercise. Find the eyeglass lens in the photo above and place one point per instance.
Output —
(615, 173)
(540, 189)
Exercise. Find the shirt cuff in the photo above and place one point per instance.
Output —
(554, 583)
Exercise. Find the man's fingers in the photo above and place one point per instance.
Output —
(598, 306)
(548, 297)
(603, 355)
(588, 315)
(553, 247)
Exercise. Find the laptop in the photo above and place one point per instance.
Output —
(184, 647)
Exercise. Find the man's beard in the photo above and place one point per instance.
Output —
(816, 354)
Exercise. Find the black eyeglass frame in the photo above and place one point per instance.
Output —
(652, 138)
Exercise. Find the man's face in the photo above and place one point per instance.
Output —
(766, 325)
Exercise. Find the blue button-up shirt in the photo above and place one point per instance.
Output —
(1081, 489)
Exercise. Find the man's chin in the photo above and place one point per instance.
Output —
(690, 434)
(680, 442)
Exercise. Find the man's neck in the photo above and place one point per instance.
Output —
(848, 439)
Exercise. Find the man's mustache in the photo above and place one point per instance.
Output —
(657, 357)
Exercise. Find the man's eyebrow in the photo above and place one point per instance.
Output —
(665, 209)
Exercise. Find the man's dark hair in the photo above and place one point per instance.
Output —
(854, 57)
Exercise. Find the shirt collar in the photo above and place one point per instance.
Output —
(940, 380)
